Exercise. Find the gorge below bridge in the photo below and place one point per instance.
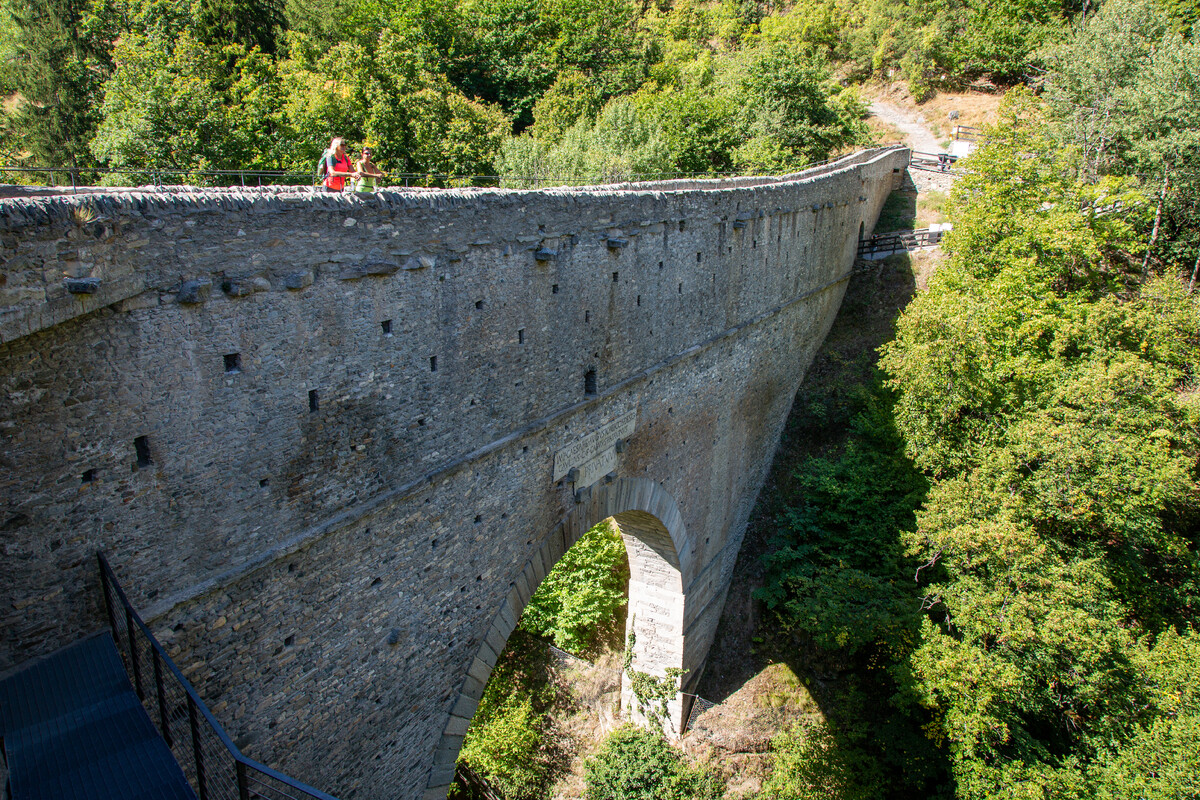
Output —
(332, 443)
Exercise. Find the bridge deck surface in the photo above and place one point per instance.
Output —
(74, 729)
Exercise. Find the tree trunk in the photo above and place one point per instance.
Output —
(1195, 269)
(1162, 195)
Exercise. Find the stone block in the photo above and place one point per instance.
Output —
(496, 639)
(465, 706)
(194, 291)
(473, 686)
(297, 280)
(243, 287)
(82, 285)
(488, 654)
(380, 268)
(505, 619)
(442, 775)
(447, 752)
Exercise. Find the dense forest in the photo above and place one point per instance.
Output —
(1004, 552)
(1000, 555)
(572, 88)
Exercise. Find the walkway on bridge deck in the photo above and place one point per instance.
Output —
(73, 729)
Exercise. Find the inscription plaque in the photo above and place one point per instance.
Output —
(594, 445)
(596, 468)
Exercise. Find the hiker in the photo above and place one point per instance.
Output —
(367, 172)
(337, 165)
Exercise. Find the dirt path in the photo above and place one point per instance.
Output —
(916, 134)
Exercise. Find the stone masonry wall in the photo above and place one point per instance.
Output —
(314, 433)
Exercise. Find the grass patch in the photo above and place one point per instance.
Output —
(899, 212)
(931, 208)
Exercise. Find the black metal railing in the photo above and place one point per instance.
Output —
(934, 162)
(212, 763)
(885, 244)
(968, 133)
(475, 784)
(85, 178)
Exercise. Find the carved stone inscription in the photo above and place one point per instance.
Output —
(593, 446)
(596, 468)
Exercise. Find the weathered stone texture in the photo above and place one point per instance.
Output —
(350, 407)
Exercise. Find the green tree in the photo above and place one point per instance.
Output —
(622, 143)
(839, 588)
(1046, 386)
(58, 66)
(951, 42)
(388, 95)
(1003, 39)
(1160, 759)
(584, 592)
(836, 570)
(572, 98)
(506, 742)
(519, 48)
(699, 127)
(793, 114)
(250, 23)
(1125, 92)
(810, 763)
(188, 107)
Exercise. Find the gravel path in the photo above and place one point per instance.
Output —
(916, 134)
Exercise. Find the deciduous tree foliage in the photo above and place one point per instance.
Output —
(1049, 388)
(1046, 386)
(1127, 87)
(506, 741)
(435, 86)
(839, 587)
(584, 592)
(187, 106)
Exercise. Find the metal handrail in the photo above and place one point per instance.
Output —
(936, 162)
(900, 241)
(278, 177)
(469, 777)
(968, 133)
(245, 769)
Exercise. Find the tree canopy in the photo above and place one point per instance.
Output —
(579, 88)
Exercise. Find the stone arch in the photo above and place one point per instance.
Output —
(655, 539)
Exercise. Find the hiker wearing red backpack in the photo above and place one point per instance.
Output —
(337, 166)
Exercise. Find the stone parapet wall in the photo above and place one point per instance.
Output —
(315, 433)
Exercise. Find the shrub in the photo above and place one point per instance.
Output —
(505, 744)
(639, 764)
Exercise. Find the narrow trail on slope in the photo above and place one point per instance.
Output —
(916, 134)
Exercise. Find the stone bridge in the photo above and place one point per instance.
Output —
(331, 444)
